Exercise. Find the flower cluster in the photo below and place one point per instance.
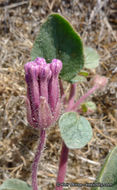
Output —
(43, 101)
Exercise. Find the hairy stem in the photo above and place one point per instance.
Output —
(83, 98)
(62, 166)
(36, 160)
(71, 97)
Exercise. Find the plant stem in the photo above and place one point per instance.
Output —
(65, 150)
(62, 166)
(83, 98)
(36, 160)
(71, 97)
(63, 95)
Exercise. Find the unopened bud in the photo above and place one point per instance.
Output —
(43, 101)
(99, 81)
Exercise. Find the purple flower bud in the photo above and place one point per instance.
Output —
(40, 61)
(43, 101)
(54, 90)
(31, 70)
(44, 77)
(56, 66)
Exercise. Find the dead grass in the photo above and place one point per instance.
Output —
(19, 24)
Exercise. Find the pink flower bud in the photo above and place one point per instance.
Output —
(99, 81)
(54, 90)
(31, 70)
(40, 61)
(56, 66)
(43, 101)
(44, 78)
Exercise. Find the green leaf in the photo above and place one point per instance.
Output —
(78, 79)
(91, 58)
(108, 172)
(75, 130)
(15, 184)
(57, 39)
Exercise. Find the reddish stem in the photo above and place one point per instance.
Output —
(71, 97)
(62, 167)
(82, 99)
(36, 160)
(63, 95)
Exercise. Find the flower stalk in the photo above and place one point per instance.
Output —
(99, 82)
(37, 158)
(62, 167)
(71, 97)
(65, 150)
(83, 98)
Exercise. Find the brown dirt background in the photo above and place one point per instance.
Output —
(96, 22)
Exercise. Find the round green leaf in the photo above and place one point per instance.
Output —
(15, 184)
(108, 172)
(91, 58)
(75, 130)
(57, 39)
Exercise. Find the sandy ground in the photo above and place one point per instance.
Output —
(19, 24)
